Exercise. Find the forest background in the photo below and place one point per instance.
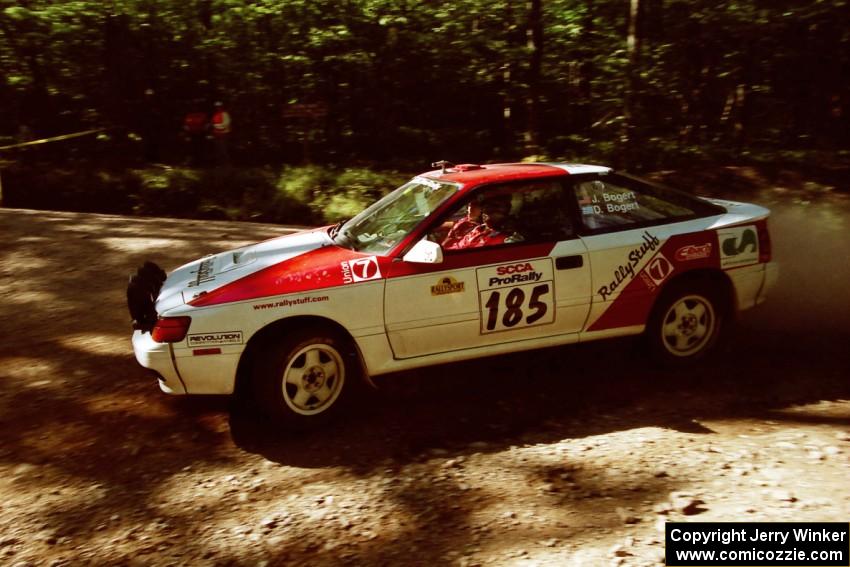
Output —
(335, 102)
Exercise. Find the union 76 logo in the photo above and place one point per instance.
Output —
(659, 268)
(361, 270)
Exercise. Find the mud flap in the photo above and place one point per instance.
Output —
(142, 291)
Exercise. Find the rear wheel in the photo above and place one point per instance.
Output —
(686, 323)
(305, 378)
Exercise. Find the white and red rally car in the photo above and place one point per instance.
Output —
(578, 253)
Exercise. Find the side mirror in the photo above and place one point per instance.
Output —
(424, 252)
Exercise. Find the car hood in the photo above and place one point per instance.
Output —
(216, 270)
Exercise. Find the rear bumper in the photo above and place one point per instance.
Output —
(751, 283)
(157, 357)
(771, 276)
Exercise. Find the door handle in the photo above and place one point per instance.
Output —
(569, 262)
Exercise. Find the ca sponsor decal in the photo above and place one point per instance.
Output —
(215, 339)
(447, 285)
(739, 246)
(361, 270)
(694, 252)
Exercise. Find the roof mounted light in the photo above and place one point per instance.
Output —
(442, 164)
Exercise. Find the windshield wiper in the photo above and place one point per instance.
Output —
(334, 230)
(338, 235)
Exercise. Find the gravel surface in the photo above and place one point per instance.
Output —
(568, 456)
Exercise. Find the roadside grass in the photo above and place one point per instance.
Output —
(304, 195)
(312, 195)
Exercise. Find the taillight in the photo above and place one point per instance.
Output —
(171, 329)
(765, 251)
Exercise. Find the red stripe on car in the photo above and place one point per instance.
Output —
(679, 254)
(459, 259)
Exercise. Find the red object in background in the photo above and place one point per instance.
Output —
(195, 123)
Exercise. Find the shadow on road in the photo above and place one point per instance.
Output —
(76, 408)
(789, 351)
(556, 394)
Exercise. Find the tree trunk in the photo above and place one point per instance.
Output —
(534, 37)
(632, 72)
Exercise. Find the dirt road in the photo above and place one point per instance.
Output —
(568, 456)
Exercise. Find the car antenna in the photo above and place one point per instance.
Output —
(442, 164)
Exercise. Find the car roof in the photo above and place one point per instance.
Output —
(474, 174)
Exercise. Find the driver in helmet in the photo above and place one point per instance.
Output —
(496, 226)
(463, 226)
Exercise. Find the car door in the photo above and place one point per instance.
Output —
(525, 290)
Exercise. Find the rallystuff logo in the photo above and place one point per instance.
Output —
(292, 302)
(626, 271)
(739, 246)
(360, 270)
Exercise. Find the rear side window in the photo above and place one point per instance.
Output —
(612, 201)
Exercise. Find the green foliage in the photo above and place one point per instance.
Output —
(332, 195)
(68, 188)
(403, 82)
(167, 191)
(296, 195)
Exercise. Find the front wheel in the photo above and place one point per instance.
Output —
(686, 324)
(305, 378)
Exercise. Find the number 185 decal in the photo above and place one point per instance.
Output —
(514, 296)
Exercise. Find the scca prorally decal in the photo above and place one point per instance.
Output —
(215, 339)
(514, 274)
(516, 295)
(447, 285)
(694, 252)
(204, 273)
(739, 246)
(360, 270)
(291, 302)
(626, 272)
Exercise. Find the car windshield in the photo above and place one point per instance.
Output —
(381, 226)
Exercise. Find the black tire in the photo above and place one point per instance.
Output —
(686, 323)
(305, 378)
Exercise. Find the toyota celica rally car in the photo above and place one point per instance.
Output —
(573, 253)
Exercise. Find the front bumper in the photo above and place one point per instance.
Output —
(157, 357)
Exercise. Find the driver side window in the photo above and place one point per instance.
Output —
(507, 214)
